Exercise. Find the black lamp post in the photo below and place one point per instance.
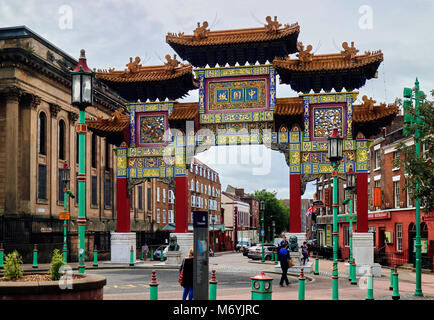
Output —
(335, 154)
(81, 97)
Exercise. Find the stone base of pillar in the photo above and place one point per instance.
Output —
(173, 258)
(363, 253)
(121, 243)
(362, 270)
(185, 241)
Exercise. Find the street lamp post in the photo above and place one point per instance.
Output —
(351, 186)
(335, 151)
(274, 229)
(213, 236)
(418, 97)
(65, 178)
(262, 209)
(82, 97)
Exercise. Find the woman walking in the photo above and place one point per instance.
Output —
(186, 276)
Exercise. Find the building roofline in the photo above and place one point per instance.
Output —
(25, 32)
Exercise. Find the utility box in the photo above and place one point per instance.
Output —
(201, 255)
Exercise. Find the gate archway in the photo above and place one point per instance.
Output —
(239, 105)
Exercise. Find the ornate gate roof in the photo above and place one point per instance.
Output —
(206, 47)
(328, 71)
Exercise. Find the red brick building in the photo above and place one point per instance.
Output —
(392, 212)
(204, 194)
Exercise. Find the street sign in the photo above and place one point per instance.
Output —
(262, 233)
(64, 215)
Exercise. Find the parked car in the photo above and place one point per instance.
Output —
(247, 250)
(243, 244)
(157, 253)
(255, 252)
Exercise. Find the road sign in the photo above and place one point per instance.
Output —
(64, 216)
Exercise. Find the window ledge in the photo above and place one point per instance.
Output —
(42, 201)
(396, 169)
(376, 169)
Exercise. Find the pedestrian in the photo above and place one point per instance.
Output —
(304, 253)
(284, 264)
(283, 242)
(186, 273)
(145, 251)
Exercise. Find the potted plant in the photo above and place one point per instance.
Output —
(58, 283)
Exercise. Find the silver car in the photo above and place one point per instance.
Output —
(255, 252)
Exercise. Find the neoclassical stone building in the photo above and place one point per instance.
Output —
(37, 137)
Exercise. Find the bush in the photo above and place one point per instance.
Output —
(56, 264)
(12, 266)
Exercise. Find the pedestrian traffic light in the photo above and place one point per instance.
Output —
(407, 104)
(407, 93)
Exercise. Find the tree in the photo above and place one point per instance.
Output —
(419, 169)
(275, 210)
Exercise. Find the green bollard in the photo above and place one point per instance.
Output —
(152, 255)
(131, 257)
(95, 257)
(316, 272)
(370, 293)
(275, 257)
(301, 285)
(213, 286)
(153, 287)
(395, 294)
(1, 256)
(354, 273)
(161, 255)
(35, 256)
(141, 255)
(261, 287)
(391, 279)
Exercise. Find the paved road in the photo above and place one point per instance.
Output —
(137, 280)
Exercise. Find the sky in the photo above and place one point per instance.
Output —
(112, 31)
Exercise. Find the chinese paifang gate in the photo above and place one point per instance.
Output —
(243, 99)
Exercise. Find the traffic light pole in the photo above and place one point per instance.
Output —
(418, 292)
(417, 97)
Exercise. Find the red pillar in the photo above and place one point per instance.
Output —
(295, 203)
(362, 202)
(181, 204)
(122, 206)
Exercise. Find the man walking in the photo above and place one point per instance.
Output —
(145, 251)
(284, 264)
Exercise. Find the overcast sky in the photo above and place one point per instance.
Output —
(112, 31)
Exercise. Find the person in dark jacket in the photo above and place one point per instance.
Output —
(187, 276)
(284, 264)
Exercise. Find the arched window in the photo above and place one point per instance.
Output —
(61, 140)
(42, 133)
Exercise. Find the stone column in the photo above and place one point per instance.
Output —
(122, 240)
(12, 126)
